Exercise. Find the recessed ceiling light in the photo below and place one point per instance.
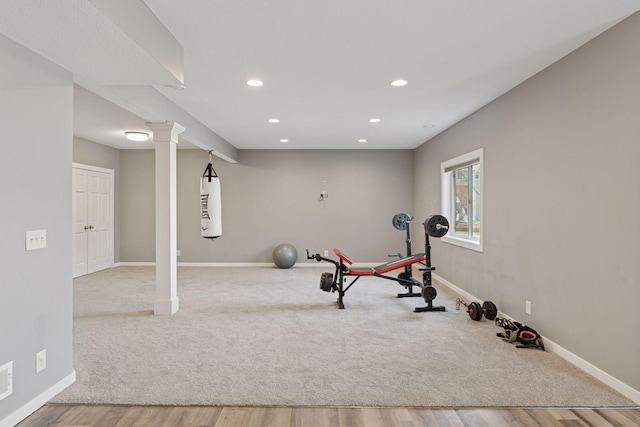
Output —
(399, 82)
(284, 141)
(136, 136)
(362, 140)
(375, 120)
(274, 121)
(429, 126)
(254, 83)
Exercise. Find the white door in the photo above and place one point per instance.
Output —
(80, 227)
(92, 220)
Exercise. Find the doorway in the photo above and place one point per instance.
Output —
(93, 222)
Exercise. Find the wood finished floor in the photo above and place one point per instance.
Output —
(191, 416)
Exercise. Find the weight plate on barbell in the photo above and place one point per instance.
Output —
(490, 310)
(475, 311)
(326, 282)
(429, 293)
(436, 226)
(401, 221)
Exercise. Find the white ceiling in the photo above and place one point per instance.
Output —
(326, 65)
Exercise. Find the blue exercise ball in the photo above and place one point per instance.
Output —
(285, 255)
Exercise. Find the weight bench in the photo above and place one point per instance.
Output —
(435, 225)
(335, 282)
(381, 269)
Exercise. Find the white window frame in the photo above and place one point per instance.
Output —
(446, 194)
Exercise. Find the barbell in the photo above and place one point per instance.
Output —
(401, 221)
(434, 226)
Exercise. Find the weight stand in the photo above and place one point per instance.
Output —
(426, 278)
(401, 221)
(408, 270)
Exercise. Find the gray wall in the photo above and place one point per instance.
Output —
(271, 197)
(36, 118)
(92, 154)
(137, 206)
(561, 213)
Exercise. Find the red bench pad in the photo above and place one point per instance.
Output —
(381, 269)
(342, 256)
(361, 271)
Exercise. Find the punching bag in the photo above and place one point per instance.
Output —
(210, 207)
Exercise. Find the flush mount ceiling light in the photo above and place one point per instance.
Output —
(254, 83)
(175, 87)
(375, 120)
(284, 141)
(362, 140)
(274, 120)
(136, 136)
(399, 82)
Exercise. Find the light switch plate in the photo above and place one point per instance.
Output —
(36, 239)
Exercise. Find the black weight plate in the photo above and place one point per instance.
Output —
(436, 226)
(490, 310)
(401, 221)
(429, 293)
(475, 311)
(326, 282)
(403, 276)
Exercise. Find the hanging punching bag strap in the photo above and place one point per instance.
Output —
(209, 172)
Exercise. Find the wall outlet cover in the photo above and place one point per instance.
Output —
(6, 380)
(41, 360)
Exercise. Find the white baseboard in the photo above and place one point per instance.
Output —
(552, 347)
(593, 370)
(239, 264)
(134, 264)
(226, 264)
(464, 294)
(37, 402)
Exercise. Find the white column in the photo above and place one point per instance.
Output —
(165, 136)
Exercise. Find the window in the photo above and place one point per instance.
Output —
(462, 199)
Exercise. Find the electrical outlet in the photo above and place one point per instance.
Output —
(527, 307)
(326, 253)
(41, 360)
(6, 380)
(178, 252)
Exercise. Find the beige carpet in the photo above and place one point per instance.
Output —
(265, 336)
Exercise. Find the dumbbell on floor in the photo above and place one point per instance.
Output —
(475, 310)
